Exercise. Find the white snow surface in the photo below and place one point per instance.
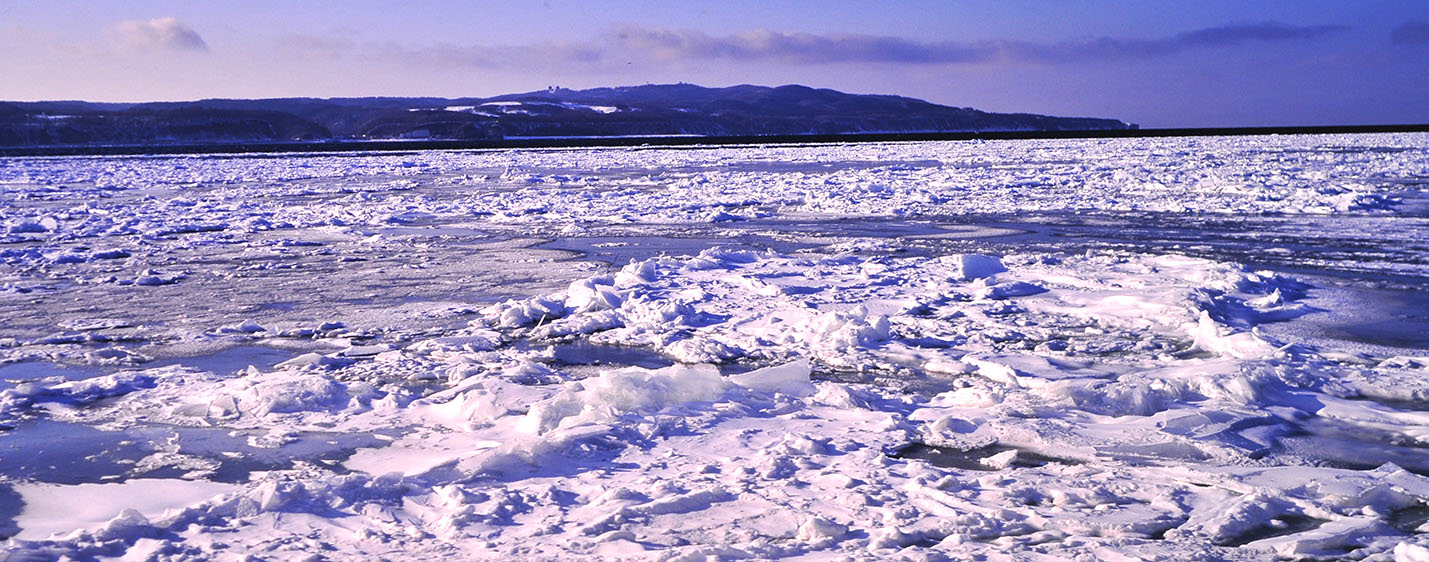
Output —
(832, 399)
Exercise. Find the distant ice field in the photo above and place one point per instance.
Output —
(1165, 349)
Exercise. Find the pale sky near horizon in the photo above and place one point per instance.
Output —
(1157, 63)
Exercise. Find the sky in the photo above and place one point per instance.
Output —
(1204, 63)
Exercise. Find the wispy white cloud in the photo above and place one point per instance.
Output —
(505, 56)
(317, 46)
(807, 48)
(643, 44)
(339, 46)
(764, 44)
(1104, 48)
(158, 34)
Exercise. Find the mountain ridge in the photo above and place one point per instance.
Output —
(647, 110)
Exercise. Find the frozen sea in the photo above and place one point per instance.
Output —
(1131, 349)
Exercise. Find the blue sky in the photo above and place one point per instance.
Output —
(1160, 64)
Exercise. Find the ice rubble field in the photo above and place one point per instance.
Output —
(375, 356)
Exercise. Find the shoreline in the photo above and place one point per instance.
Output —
(677, 141)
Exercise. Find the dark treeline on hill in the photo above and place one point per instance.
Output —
(651, 110)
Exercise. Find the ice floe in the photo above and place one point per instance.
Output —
(405, 373)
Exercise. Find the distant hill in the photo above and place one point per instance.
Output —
(651, 110)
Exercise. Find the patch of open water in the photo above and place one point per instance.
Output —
(57, 452)
(226, 361)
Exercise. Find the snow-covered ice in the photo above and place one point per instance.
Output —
(1157, 349)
